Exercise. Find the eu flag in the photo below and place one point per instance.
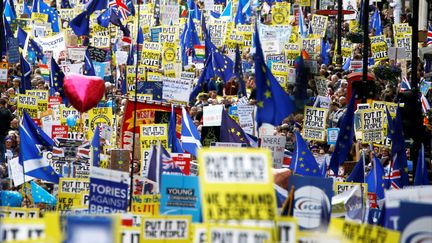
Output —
(88, 65)
(53, 16)
(273, 103)
(104, 18)
(238, 70)
(95, 143)
(358, 173)
(230, 131)
(188, 39)
(222, 65)
(81, 24)
(303, 162)
(37, 135)
(56, 78)
(421, 173)
(32, 45)
(173, 141)
(25, 75)
(203, 79)
(345, 137)
(375, 179)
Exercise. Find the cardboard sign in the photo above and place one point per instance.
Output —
(13, 230)
(175, 89)
(212, 115)
(243, 169)
(404, 42)
(314, 124)
(276, 144)
(372, 125)
(167, 228)
(53, 43)
(108, 191)
(180, 195)
(246, 117)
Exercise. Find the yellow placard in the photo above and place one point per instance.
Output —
(287, 228)
(98, 116)
(319, 24)
(280, 13)
(19, 212)
(22, 229)
(241, 169)
(39, 17)
(166, 229)
(372, 125)
(314, 123)
(379, 51)
(217, 233)
(146, 204)
(29, 103)
(354, 232)
(150, 134)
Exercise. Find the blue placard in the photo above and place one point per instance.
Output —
(415, 222)
(332, 134)
(312, 201)
(154, 88)
(83, 228)
(232, 110)
(107, 196)
(99, 68)
(154, 33)
(180, 195)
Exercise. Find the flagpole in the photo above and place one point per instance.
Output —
(135, 109)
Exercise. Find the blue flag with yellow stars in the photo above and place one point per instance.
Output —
(53, 16)
(273, 103)
(375, 179)
(40, 195)
(32, 45)
(222, 65)
(95, 143)
(81, 24)
(303, 162)
(230, 131)
(37, 135)
(345, 137)
(56, 79)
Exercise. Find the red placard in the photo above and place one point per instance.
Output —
(59, 131)
(372, 200)
(182, 160)
(53, 100)
(37, 121)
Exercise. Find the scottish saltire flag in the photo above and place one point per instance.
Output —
(226, 13)
(421, 173)
(40, 195)
(281, 195)
(345, 137)
(9, 12)
(37, 135)
(429, 36)
(376, 23)
(25, 76)
(302, 28)
(31, 159)
(303, 162)
(270, 95)
(88, 65)
(173, 142)
(405, 85)
(95, 144)
(358, 172)
(191, 140)
(40, 6)
(375, 179)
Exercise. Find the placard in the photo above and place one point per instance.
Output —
(227, 233)
(319, 24)
(372, 125)
(246, 118)
(212, 115)
(276, 144)
(241, 169)
(180, 195)
(167, 228)
(108, 191)
(4, 73)
(59, 131)
(314, 125)
(321, 85)
(175, 89)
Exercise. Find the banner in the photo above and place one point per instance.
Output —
(314, 124)
(372, 125)
(108, 191)
(180, 195)
(242, 169)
